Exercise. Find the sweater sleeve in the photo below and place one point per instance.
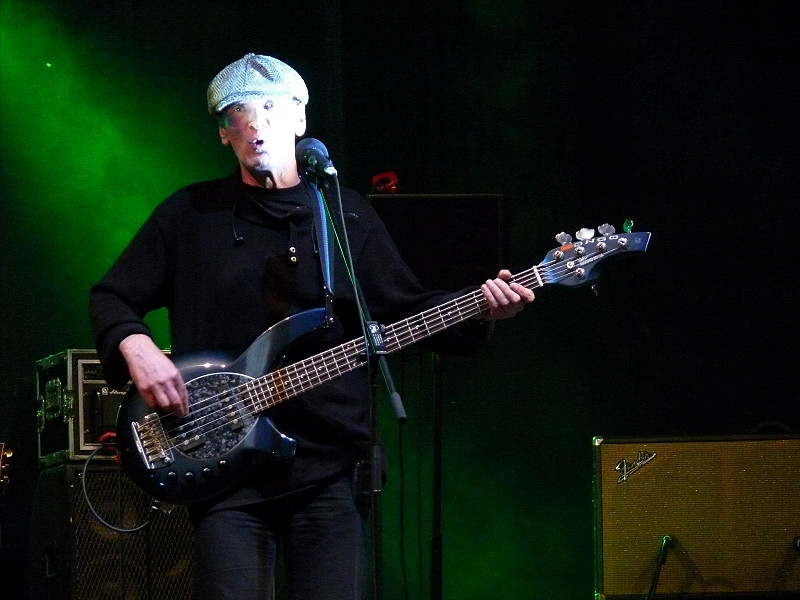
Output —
(132, 287)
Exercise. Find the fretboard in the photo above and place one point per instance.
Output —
(286, 382)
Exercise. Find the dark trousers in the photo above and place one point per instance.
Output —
(319, 532)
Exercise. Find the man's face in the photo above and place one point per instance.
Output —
(262, 133)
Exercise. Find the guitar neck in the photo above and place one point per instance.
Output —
(439, 318)
(287, 382)
(432, 321)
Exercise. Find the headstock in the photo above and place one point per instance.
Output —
(5, 479)
(578, 262)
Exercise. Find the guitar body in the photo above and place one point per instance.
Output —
(189, 460)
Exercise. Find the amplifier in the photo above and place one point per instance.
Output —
(704, 518)
(72, 555)
(76, 406)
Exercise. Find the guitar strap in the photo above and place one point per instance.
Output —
(323, 229)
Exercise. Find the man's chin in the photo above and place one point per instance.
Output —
(260, 175)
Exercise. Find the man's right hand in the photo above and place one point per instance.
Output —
(156, 378)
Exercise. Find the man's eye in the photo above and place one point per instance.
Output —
(269, 104)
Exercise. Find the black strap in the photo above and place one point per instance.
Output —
(323, 227)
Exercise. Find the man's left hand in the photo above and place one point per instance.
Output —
(505, 297)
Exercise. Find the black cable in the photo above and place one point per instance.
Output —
(95, 514)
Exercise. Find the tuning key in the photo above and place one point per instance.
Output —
(606, 229)
(584, 234)
(627, 226)
(564, 238)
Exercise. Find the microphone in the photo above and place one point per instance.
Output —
(312, 155)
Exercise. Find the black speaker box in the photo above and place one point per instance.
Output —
(74, 556)
(697, 518)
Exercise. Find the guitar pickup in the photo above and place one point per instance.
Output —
(235, 423)
(185, 444)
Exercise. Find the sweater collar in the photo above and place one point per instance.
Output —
(282, 203)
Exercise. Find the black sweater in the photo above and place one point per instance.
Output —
(221, 293)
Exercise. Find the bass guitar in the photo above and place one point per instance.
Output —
(228, 429)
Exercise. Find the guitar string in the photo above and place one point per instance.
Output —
(206, 424)
(279, 392)
(346, 357)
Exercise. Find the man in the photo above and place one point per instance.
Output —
(229, 258)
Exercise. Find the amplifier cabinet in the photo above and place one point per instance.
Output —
(75, 406)
(74, 556)
(705, 518)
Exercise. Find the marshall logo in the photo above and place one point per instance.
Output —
(626, 469)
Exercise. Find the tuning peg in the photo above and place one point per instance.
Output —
(627, 227)
(584, 234)
(564, 238)
(606, 229)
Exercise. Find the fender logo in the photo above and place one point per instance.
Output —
(627, 469)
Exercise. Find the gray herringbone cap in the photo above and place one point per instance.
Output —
(254, 76)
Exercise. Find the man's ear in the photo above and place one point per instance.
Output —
(223, 134)
(300, 130)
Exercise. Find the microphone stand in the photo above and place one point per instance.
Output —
(666, 542)
(373, 349)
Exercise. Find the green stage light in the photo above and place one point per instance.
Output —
(92, 140)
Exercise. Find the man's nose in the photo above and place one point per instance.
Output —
(260, 119)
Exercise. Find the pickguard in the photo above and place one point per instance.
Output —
(218, 416)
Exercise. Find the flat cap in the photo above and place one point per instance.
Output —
(254, 76)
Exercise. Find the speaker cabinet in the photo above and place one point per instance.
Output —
(73, 556)
(705, 518)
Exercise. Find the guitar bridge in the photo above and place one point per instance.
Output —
(151, 441)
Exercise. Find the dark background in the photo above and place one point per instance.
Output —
(681, 116)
